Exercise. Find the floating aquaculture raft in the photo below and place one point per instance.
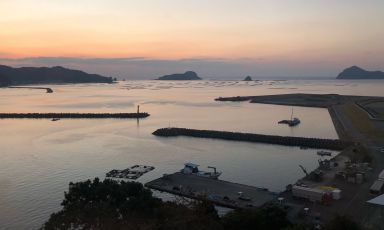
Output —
(132, 173)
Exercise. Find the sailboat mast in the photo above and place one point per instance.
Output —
(292, 114)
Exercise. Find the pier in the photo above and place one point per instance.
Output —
(300, 99)
(72, 115)
(316, 143)
(219, 192)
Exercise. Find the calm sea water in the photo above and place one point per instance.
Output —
(40, 157)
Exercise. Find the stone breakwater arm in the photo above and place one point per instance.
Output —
(260, 138)
(71, 115)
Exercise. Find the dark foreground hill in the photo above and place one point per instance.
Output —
(111, 204)
(356, 72)
(189, 75)
(47, 75)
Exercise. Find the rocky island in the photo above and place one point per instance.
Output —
(355, 72)
(187, 76)
(47, 75)
(248, 78)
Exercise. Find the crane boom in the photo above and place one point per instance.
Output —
(304, 170)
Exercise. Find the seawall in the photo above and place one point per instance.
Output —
(259, 138)
(71, 115)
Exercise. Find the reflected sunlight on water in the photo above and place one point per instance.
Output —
(39, 157)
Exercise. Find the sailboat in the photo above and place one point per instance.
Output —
(292, 122)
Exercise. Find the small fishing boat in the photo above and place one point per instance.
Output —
(55, 119)
(190, 168)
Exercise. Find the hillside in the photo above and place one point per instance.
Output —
(356, 72)
(47, 75)
(189, 75)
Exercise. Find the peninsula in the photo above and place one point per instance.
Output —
(187, 76)
(47, 75)
(355, 72)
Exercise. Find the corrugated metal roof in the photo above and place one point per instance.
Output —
(377, 200)
(377, 185)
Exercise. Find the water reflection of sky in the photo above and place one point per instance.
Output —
(40, 157)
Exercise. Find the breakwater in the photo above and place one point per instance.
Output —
(72, 115)
(49, 90)
(260, 138)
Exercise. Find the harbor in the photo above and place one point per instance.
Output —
(352, 177)
(94, 147)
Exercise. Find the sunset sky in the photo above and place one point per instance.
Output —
(218, 38)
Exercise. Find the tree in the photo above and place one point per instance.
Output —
(270, 217)
(110, 204)
(342, 223)
(104, 205)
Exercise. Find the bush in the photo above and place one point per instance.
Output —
(110, 204)
(342, 223)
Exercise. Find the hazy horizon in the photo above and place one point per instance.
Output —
(221, 38)
(148, 69)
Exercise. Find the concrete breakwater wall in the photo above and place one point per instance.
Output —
(250, 137)
(71, 115)
(49, 90)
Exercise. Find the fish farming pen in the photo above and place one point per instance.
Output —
(316, 143)
(72, 115)
(132, 173)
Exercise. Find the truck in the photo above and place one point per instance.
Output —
(312, 194)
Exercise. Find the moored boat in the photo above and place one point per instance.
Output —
(295, 121)
(190, 168)
(292, 122)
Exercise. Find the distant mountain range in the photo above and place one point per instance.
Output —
(189, 75)
(356, 72)
(47, 75)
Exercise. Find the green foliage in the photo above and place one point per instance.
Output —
(100, 205)
(110, 204)
(342, 223)
(267, 218)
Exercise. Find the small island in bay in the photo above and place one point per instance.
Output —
(355, 72)
(247, 78)
(187, 76)
(10, 76)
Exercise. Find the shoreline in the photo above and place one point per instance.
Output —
(353, 121)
